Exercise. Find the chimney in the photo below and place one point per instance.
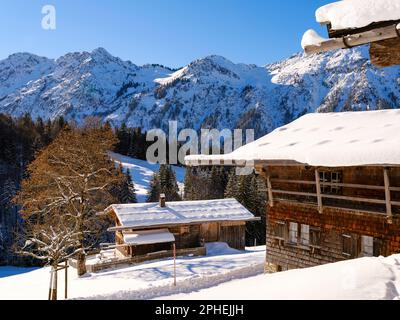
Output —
(162, 200)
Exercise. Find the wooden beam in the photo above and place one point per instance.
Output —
(328, 196)
(318, 187)
(295, 193)
(270, 194)
(334, 184)
(338, 33)
(359, 39)
(172, 225)
(355, 199)
(388, 195)
(293, 181)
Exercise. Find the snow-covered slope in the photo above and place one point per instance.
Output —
(143, 281)
(361, 279)
(224, 274)
(209, 92)
(142, 172)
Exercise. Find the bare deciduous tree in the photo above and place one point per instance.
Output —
(74, 177)
(52, 242)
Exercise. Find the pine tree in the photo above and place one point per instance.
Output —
(190, 190)
(245, 189)
(122, 134)
(231, 190)
(127, 192)
(164, 181)
(153, 193)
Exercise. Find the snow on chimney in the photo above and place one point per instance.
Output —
(162, 200)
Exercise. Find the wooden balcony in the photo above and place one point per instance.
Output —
(376, 199)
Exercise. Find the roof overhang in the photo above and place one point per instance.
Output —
(267, 163)
(169, 225)
(356, 38)
(137, 238)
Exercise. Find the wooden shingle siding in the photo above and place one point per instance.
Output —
(339, 218)
(385, 53)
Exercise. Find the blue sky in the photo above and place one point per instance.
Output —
(169, 32)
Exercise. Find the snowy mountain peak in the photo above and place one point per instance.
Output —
(21, 68)
(101, 52)
(211, 92)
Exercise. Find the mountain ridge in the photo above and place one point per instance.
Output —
(211, 92)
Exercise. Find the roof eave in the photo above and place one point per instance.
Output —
(354, 40)
(145, 227)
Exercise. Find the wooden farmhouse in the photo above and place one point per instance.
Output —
(148, 229)
(333, 184)
(359, 22)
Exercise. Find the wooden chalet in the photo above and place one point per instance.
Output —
(333, 185)
(378, 26)
(145, 229)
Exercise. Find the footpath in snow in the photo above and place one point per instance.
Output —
(144, 281)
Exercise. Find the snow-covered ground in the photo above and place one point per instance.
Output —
(142, 172)
(144, 281)
(224, 273)
(361, 279)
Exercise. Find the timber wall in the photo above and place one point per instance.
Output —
(333, 223)
(337, 218)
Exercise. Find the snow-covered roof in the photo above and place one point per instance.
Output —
(183, 212)
(330, 140)
(354, 14)
(148, 237)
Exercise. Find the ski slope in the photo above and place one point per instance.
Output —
(141, 173)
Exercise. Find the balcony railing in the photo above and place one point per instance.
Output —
(321, 199)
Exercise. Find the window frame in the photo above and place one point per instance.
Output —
(315, 231)
(295, 232)
(281, 226)
(331, 177)
(304, 227)
(349, 238)
(363, 252)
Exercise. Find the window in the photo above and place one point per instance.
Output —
(315, 237)
(330, 177)
(293, 232)
(299, 234)
(347, 245)
(279, 230)
(367, 246)
(378, 243)
(323, 178)
(305, 235)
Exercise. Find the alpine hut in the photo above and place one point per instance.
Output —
(333, 187)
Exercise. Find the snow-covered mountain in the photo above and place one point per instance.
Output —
(209, 92)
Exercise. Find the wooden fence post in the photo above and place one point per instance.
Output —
(174, 249)
(66, 280)
(270, 194)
